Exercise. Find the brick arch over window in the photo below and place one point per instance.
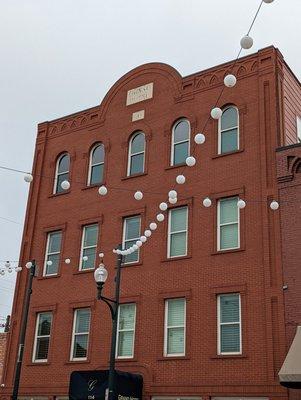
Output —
(171, 74)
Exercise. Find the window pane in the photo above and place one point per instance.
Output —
(80, 346)
(53, 269)
(98, 154)
(229, 308)
(228, 210)
(178, 244)
(42, 348)
(96, 174)
(125, 344)
(132, 228)
(181, 131)
(64, 164)
(137, 143)
(229, 141)
(181, 152)
(175, 341)
(230, 338)
(44, 324)
(54, 242)
(91, 234)
(229, 236)
(176, 312)
(60, 179)
(137, 164)
(229, 118)
(127, 316)
(134, 256)
(178, 219)
(82, 323)
(91, 254)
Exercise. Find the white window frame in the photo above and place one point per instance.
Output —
(82, 248)
(130, 155)
(51, 254)
(57, 173)
(36, 337)
(79, 334)
(227, 223)
(96, 164)
(182, 141)
(181, 231)
(130, 240)
(126, 330)
(166, 327)
(298, 122)
(219, 324)
(220, 131)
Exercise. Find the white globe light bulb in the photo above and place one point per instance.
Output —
(241, 204)
(135, 247)
(173, 200)
(180, 179)
(85, 258)
(163, 206)
(143, 239)
(216, 113)
(148, 233)
(246, 42)
(10, 270)
(18, 269)
(28, 178)
(199, 138)
(160, 217)
(102, 190)
(172, 194)
(67, 261)
(2, 272)
(153, 226)
(230, 81)
(268, 1)
(7, 264)
(207, 202)
(49, 263)
(101, 255)
(138, 195)
(65, 185)
(28, 265)
(139, 243)
(274, 205)
(190, 161)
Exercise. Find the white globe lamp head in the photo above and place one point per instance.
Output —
(207, 202)
(163, 206)
(28, 265)
(190, 161)
(160, 217)
(199, 138)
(274, 205)
(173, 200)
(246, 42)
(172, 194)
(241, 204)
(216, 113)
(180, 179)
(67, 261)
(100, 274)
(138, 195)
(153, 226)
(102, 190)
(230, 81)
(28, 178)
(148, 233)
(143, 239)
(65, 185)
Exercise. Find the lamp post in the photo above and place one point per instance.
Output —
(32, 268)
(100, 276)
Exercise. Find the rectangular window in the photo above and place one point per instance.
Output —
(88, 247)
(52, 257)
(229, 324)
(177, 232)
(42, 337)
(299, 129)
(175, 321)
(131, 233)
(126, 331)
(80, 334)
(228, 224)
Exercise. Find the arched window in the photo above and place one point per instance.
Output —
(136, 154)
(96, 164)
(180, 144)
(228, 132)
(61, 172)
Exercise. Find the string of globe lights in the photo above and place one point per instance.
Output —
(230, 81)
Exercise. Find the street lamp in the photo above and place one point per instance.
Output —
(100, 276)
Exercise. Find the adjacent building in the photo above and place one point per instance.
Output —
(211, 302)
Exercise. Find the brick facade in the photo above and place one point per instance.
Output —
(254, 270)
(3, 337)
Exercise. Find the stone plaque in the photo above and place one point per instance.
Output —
(137, 115)
(140, 93)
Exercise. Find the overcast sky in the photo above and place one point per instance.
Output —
(61, 56)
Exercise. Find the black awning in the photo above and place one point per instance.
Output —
(92, 385)
(290, 372)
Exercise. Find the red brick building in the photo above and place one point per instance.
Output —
(2, 351)
(203, 311)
